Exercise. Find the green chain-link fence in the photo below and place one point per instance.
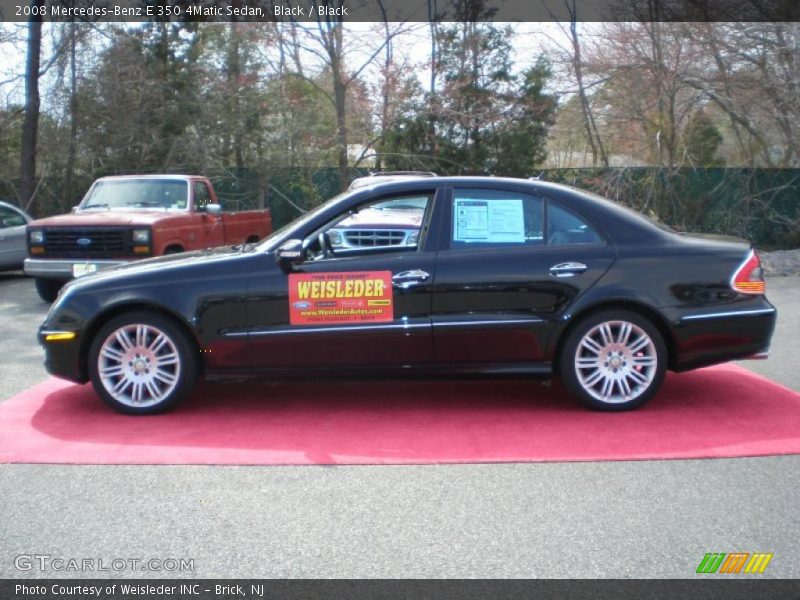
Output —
(762, 205)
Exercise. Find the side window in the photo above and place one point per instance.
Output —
(202, 197)
(10, 218)
(385, 225)
(491, 218)
(565, 228)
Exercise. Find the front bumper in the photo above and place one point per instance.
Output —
(62, 356)
(62, 268)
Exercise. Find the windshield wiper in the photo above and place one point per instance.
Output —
(101, 205)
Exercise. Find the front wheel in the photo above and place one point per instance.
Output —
(48, 288)
(613, 360)
(141, 363)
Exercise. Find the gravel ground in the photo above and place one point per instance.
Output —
(781, 262)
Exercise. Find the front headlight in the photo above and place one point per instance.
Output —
(36, 236)
(141, 236)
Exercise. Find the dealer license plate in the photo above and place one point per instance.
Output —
(79, 270)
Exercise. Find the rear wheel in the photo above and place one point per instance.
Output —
(614, 360)
(141, 363)
(48, 288)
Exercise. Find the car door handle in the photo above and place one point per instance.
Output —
(408, 279)
(567, 269)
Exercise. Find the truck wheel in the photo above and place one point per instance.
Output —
(141, 363)
(48, 288)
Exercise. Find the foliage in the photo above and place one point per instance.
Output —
(484, 119)
(702, 138)
(756, 204)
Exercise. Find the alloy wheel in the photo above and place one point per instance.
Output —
(616, 362)
(139, 365)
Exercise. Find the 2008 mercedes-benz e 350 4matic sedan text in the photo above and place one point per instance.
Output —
(503, 276)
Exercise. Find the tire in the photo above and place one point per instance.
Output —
(48, 289)
(613, 360)
(135, 370)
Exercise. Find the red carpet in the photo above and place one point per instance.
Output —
(719, 412)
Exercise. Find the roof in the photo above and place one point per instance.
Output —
(152, 176)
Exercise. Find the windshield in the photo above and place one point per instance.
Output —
(284, 233)
(167, 194)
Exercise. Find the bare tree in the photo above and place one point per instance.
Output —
(754, 79)
(592, 134)
(30, 126)
(326, 42)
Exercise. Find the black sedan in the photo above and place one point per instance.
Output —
(506, 277)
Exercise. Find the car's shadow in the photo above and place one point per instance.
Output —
(714, 412)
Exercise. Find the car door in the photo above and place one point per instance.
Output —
(213, 229)
(366, 306)
(510, 265)
(12, 238)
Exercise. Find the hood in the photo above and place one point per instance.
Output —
(87, 218)
(383, 219)
(160, 263)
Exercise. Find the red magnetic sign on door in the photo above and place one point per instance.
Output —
(344, 297)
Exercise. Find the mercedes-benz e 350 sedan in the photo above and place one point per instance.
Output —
(504, 276)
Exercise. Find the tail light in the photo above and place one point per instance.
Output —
(749, 278)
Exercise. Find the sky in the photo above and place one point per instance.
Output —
(528, 41)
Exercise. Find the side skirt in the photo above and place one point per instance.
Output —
(458, 371)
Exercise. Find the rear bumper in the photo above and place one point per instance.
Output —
(706, 337)
(62, 268)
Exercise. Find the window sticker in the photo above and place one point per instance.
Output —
(494, 221)
(344, 297)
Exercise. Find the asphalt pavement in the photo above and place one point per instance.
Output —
(613, 519)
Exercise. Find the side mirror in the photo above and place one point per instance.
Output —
(213, 209)
(75, 208)
(290, 254)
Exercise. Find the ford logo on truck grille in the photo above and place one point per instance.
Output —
(83, 241)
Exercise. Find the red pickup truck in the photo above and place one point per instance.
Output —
(131, 217)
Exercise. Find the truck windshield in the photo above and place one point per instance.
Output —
(166, 194)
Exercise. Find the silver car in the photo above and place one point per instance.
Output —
(13, 247)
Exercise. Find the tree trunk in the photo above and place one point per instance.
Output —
(333, 44)
(69, 168)
(30, 126)
(388, 82)
(592, 134)
(432, 107)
